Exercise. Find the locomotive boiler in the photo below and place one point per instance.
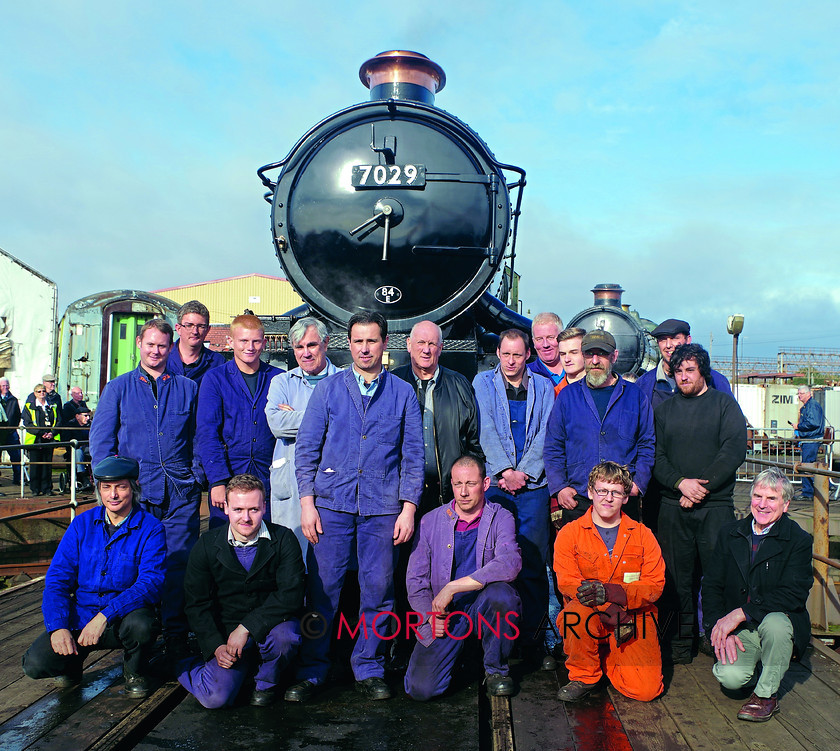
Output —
(395, 206)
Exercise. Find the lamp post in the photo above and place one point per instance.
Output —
(734, 326)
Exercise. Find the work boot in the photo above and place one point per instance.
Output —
(302, 691)
(575, 691)
(136, 686)
(263, 698)
(759, 709)
(498, 684)
(374, 688)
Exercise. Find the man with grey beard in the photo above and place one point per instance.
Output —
(600, 418)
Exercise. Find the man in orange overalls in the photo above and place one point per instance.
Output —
(610, 572)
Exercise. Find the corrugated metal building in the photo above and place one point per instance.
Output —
(227, 298)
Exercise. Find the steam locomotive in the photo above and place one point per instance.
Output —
(395, 206)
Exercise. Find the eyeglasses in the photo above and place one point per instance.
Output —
(614, 494)
(196, 326)
(40, 391)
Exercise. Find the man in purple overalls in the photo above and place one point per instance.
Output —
(459, 581)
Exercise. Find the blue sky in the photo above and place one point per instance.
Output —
(688, 151)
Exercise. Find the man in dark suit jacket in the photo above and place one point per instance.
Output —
(244, 593)
(754, 596)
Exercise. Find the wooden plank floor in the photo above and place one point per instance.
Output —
(95, 714)
(694, 714)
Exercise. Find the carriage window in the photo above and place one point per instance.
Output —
(123, 330)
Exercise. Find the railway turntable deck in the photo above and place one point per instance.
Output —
(693, 714)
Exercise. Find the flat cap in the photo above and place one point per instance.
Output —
(49, 377)
(671, 327)
(117, 468)
(598, 339)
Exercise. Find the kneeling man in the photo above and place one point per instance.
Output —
(459, 580)
(754, 596)
(244, 593)
(610, 571)
(103, 584)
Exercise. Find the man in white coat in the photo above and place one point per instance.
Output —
(288, 396)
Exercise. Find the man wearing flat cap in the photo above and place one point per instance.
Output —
(103, 584)
(659, 384)
(602, 417)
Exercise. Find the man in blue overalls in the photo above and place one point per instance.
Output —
(149, 415)
(232, 433)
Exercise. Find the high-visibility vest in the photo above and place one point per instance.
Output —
(31, 409)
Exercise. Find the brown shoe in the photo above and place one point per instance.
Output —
(758, 709)
(575, 690)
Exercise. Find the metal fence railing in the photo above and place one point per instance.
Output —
(67, 462)
(781, 448)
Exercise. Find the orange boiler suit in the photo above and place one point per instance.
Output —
(635, 666)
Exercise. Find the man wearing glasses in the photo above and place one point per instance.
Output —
(188, 356)
(611, 572)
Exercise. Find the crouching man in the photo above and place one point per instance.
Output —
(754, 596)
(459, 582)
(244, 593)
(610, 571)
(103, 584)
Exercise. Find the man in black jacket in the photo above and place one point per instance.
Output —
(450, 414)
(450, 430)
(754, 596)
(244, 593)
(9, 421)
(76, 417)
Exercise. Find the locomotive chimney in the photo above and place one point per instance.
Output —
(607, 294)
(402, 74)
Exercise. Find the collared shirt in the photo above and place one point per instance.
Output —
(517, 393)
(465, 526)
(367, 389)
(152, 379)
(764, 531)
(425, 390)
(664, 382)
(262, 534)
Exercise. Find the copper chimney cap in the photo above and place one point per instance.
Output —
(402, 67)
(607, 294)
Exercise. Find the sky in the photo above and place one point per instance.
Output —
(688, 151)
